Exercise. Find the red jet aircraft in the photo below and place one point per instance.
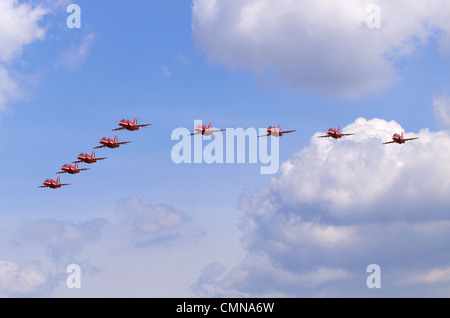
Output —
(276, 131)
(205, 131)
(336, 134)
(84, 157)
(67, 168)
(130, 125)
(110, 143)
(399, 139)
(52, 184)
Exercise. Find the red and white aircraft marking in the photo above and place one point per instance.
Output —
(276, 131)
(399, 139)
(111, 143)
(67, 168)
(205, 131)
(86, 158)
(52, 184)
(336, 134)
(130, 125)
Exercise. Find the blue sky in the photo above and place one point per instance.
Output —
(140, 225)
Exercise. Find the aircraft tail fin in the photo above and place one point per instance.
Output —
(92, 155)
(402, 134)
(339, 129)
(57, 180)
(209, 126)
(279, 126)
(115, 138)
(134, 121)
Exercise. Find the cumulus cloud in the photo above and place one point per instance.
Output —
(258, 276)
(75, 56)
(437, 275)
(148, 218)
(359, 173)
(166, 71)
(19, 26)
(16, 281)
(340, 205)
(9, 89)
(152, 224)
(323, 46)
(63, 240)
(206, 283)
(441, 109)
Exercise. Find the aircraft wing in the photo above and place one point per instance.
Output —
(266, 135)
(79, 161)
(389, 142)
(325, 136)
(84, 169)
(101, 158)
(64, 184)
(43, 186)
(217, 130)
(61, 172)
(196, 133)
(143, 125)
(411, 138)
(347, 134)
(287, 131)
(123, 142)
(120, 128)
(102, 146)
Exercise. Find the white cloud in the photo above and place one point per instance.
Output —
(206, 283)
(154, 224)
(441, 109)
(258, 276)
(340, 205)
(63, 240)
(17, 281)
(55, 5)
(148, 218)
(74, 57)
(19, 26)
(166, 71)
(182, 59)
(437, 275)
(318, 45)
(352, 175)
(9, 89)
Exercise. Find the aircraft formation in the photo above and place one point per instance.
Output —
(277, 132)
(105, 142)
(126, 124)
